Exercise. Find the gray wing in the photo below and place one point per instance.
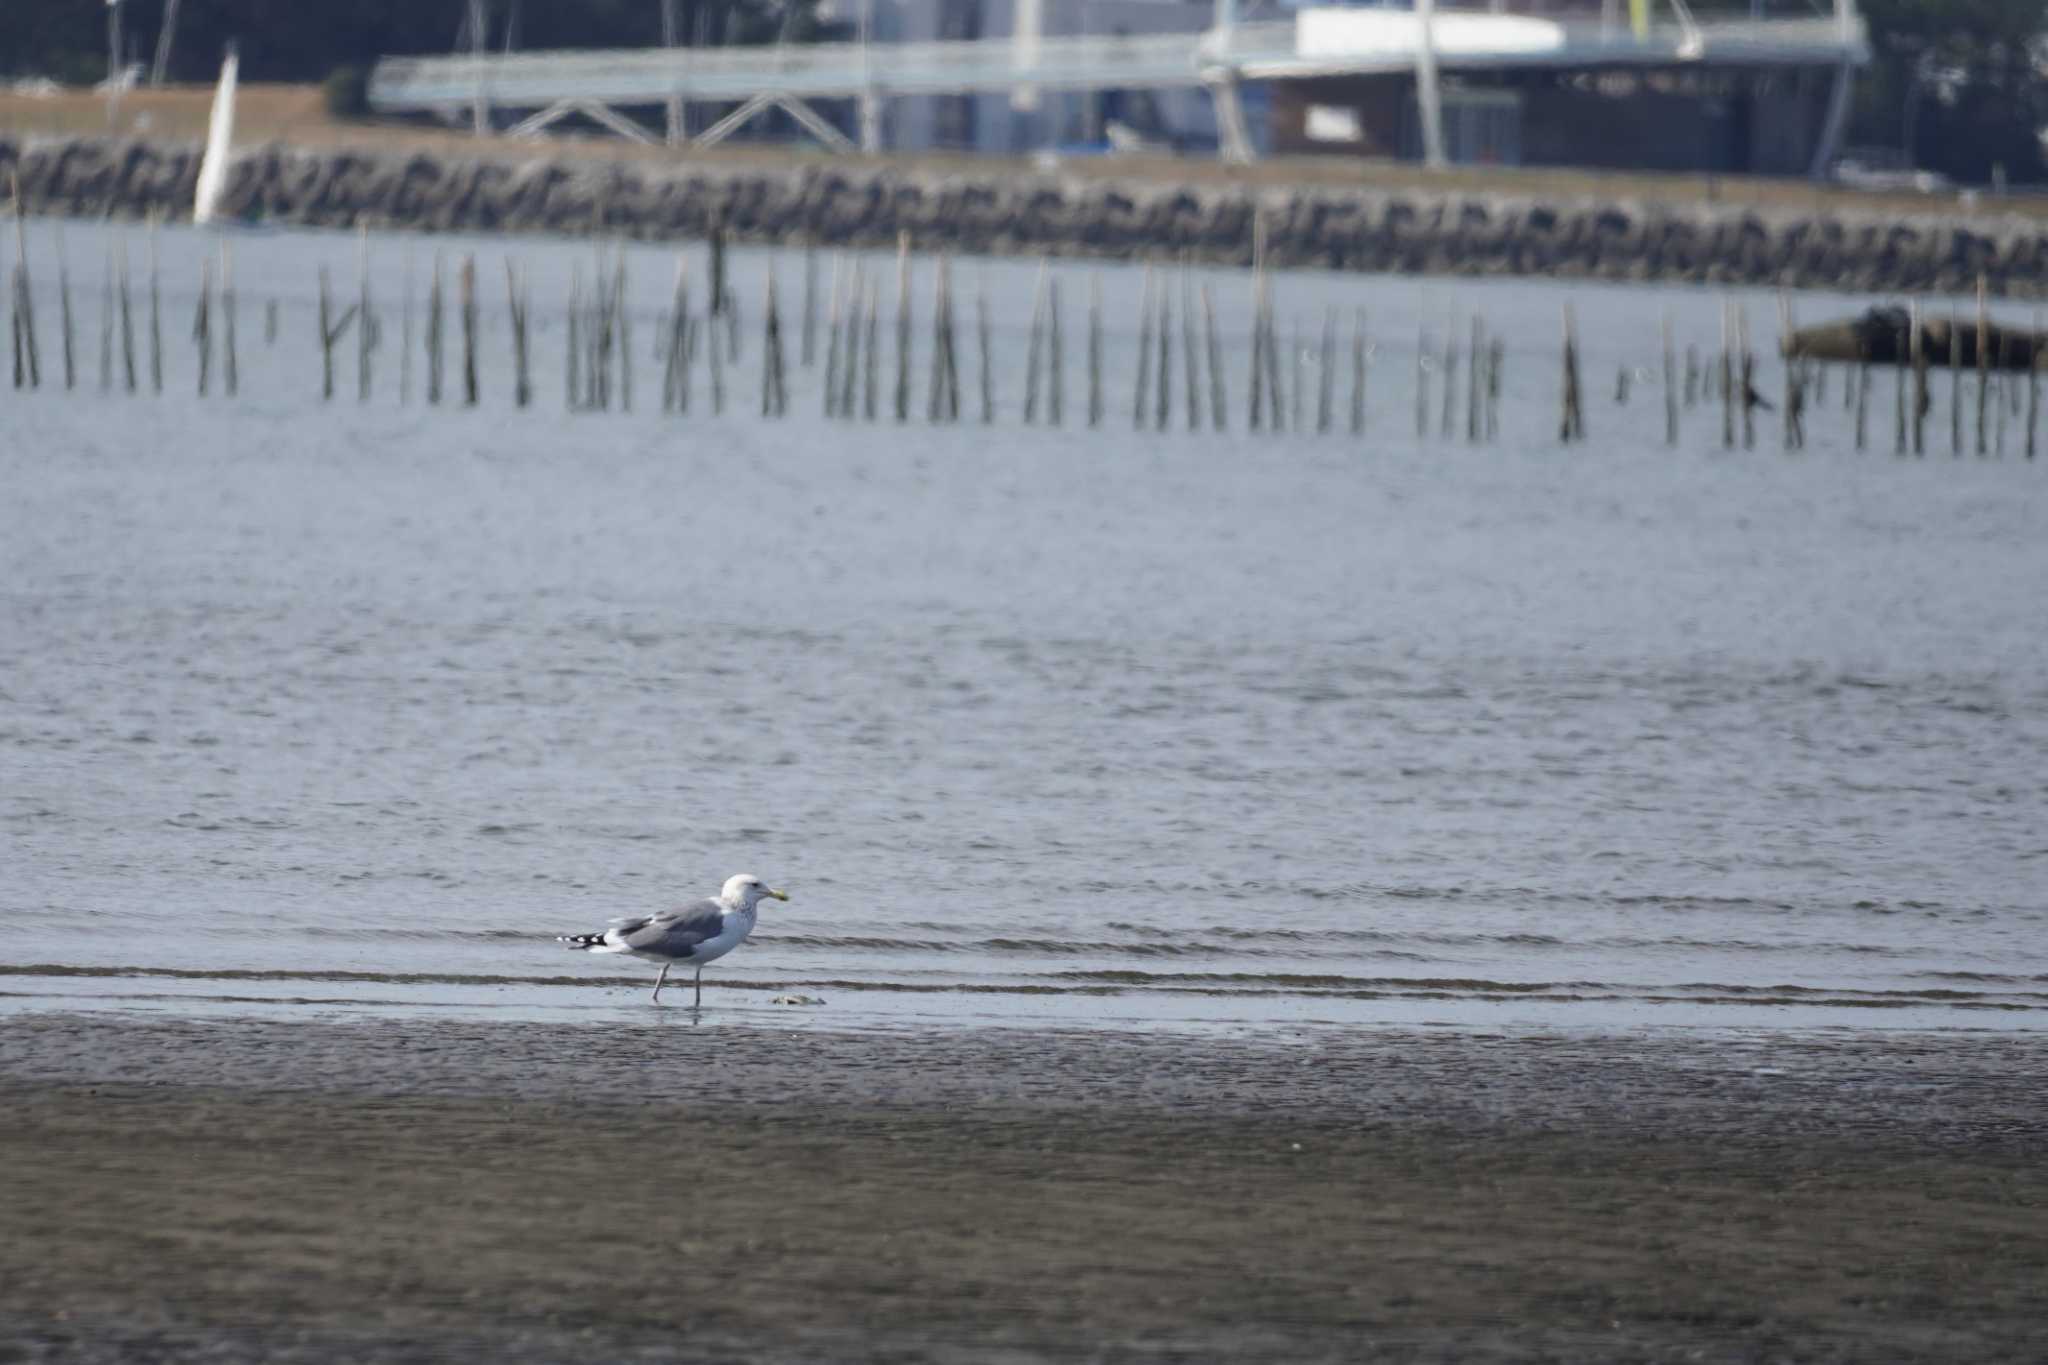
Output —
(671, 932)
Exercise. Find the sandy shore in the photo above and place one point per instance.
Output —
(391, 1190)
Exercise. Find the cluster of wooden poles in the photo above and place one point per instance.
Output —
(1997, 395)
(599, 353)
(2004, 394)
(852, 385)
(122, 334)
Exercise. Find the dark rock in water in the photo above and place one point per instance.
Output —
(563, 189)
(1882, 336)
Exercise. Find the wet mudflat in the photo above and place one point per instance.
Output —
(370, 1190)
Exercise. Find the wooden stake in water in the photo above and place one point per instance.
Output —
(1162, 410)
(1422, 381)
(831, 339)
(1034, 346)
(810, 302)
(2004, 392)
(1670, 383)
(1955, 384)
(1475, 380)
(1495, 351)
(1448, 425)
(1572, 425)
(2034, 384)
(679, 323)
(326, 341)
(515, 309)
(943, 401)
(1727, 375)
(64, 315)
(935, 366)
(715, 347)
(405, 328)
(434, 328)
(1358, 372)
(1751, 398)
(874, 350)
(156, 328)
(127, 315)
(1056, 357)
(1255, 403)
(1272, 349)
(1326, 372)
(230, 363)
(27, 360)
(202, 321)
(849, 363)
(1795, 408)
(14, 310)
(774, 401)
(1790, 440)
(1917, 327)
(1191, 358)
(14, 325)
(987, 376)
(622, 327)
(1142, 390)
(572, 363)
(1899, 372)
(365, 324)
(106, 330)
(903, 327)
(1862, 383)
(1983, 358)
(1095, 348)
(600, 332)
(693, 342)
(952, 409)
(1219, 412)
(718, 286)
(468, 288)
(1296, 388)
(935, 374)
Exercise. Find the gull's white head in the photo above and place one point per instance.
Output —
(747, 891)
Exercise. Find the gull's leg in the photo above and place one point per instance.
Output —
(700, 987)
(658, 980)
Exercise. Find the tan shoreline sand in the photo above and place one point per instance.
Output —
(424, 1190)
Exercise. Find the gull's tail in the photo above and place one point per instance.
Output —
(584, 941)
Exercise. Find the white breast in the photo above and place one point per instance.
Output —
(738, 924)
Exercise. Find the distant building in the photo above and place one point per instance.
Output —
(1024, 120)
(1626, 84)
(1620, 84)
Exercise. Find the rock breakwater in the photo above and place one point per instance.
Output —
(1006, 211)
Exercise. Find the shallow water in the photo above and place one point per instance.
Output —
(352, 707)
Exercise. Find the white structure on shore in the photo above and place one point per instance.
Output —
(1011, 75)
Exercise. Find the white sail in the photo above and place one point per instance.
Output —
(220, 137)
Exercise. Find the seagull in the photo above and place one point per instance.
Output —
(697, 933)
